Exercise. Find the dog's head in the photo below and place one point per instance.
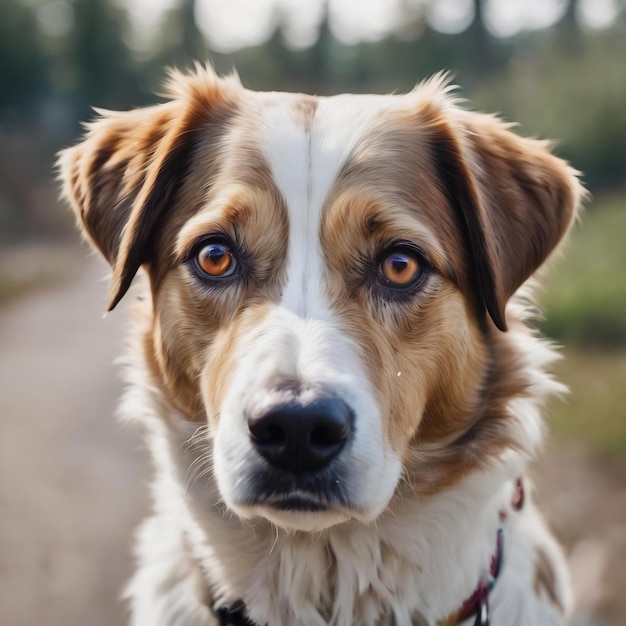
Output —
(329, 279)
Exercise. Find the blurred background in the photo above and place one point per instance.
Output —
(72, 480)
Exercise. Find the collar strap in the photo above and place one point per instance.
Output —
(477, 605)
(233, 615)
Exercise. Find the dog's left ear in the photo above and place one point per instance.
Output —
(121, 178)
(515, 201)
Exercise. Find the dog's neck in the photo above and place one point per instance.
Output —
(476, 606)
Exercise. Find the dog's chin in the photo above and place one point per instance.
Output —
(295, 515)
(302, 515)
(307, 521)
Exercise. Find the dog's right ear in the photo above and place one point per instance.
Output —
(120, 179)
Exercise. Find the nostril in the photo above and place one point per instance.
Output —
(275, 434)
(327, 434)
(264, 431)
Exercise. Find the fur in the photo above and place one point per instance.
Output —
(446, 383)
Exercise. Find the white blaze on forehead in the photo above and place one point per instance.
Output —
(299, 337)
(305, 155)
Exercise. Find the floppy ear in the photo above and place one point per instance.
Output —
(121, 178)
(514, 202)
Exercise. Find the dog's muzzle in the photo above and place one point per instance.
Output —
(300, 438)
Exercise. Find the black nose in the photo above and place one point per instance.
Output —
(302, 437)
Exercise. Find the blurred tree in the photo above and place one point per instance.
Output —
(98, 57)
(566, 81)
(480, 40)
(22, 63)
(183, 42)
(569, 29)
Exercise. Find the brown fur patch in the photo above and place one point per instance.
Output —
(519, 200)
(122, 176)
(441, 386)
(196, 326)
(444, 377)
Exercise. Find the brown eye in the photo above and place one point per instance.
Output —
(216, 260)
(400, 269)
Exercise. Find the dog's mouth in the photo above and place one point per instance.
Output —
(302, 512)
(305, 492)
(299, 500)
(297, 504)
(305, 501)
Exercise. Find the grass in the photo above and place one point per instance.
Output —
(585, 297)
(595, 409)
(584, 303)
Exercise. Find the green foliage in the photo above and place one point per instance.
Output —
(395, 63)
(585, 297)
(585, 307)
(22, 66)
(97, 55)
(562, 82)
(574, 93)
(595, 409)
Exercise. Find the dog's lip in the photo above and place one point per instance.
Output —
(297, 500)
(297, 503)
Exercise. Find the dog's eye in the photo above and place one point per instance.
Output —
(400, 268)
(215, 259)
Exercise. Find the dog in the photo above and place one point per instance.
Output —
(333, 360)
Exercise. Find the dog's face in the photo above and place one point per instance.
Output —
(329, 279)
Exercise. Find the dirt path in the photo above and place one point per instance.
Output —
(585, 501)
(72, 480)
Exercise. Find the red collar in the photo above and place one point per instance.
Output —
(477, 604)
